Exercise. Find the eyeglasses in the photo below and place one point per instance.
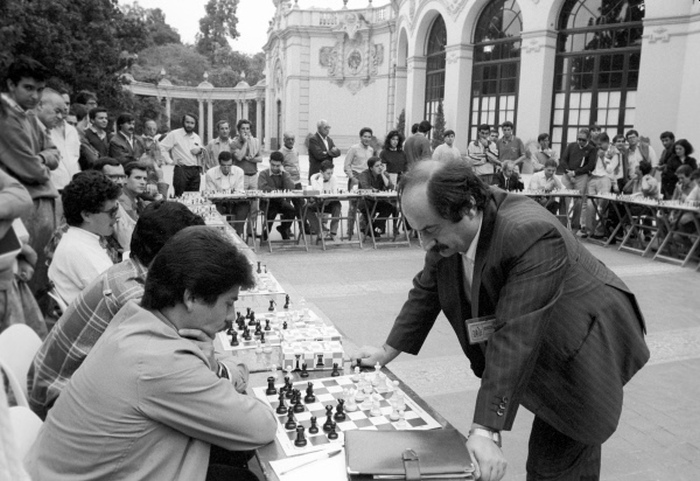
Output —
(116, 177)
(581, 140)
(111, 212)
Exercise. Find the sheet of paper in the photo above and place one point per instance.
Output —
(333, 468)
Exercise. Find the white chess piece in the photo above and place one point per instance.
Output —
(402, 424)
(375, 411)
(356, 375)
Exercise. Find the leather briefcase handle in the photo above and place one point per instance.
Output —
(411, 465)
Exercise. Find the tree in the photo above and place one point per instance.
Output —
(438, 134)
(401, 122)
(183, 65)
(217, 27)
(152, 20)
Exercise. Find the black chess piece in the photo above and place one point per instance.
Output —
(313, 429)
(248, 311)
(335, 372)
(319, 361)
(310, 398)
(272, 305)
(234, 338)
(259, 271)
(267, 325)
(333, 434)
(304, 373)
(262, 338)
(246, 334)
(258, 330)
(329, 419)
(286, 301)
(291, 422)
(289, 393)
(252, 320)
(300, 441)
(340, 411)
(271, 389)
(282, 407)
(284, 325)
(298, 406)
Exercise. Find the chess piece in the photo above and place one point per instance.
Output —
(284, 325)
(339, 412)
(375, 411)
(234, 338)
(246, 334)
(310, 398)
(329, 419)
(402, 424)
(394, 414)
(356, 375)
(271, 386)
(319, 361)
(272, 305)
(300, 441)
(282, 407)
(335, 372)
(333, 434)
(259, 271)
(304, 373)
(291, 422)
(258, 331)
(258, 347)
(351, 405)
(267, 325)
(262, 337)
(313, 429)
(286, 301)
(298, 406)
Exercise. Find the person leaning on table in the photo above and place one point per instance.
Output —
(147, 402)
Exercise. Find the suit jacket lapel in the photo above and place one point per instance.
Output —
(487, 225)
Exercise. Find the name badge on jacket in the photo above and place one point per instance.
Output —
(479, 329)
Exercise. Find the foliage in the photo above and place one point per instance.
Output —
(152, 20)
(401, 122)
(438, 132)
(216, 27)
(182, 64)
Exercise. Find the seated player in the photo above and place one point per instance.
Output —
(546, 181)
(376, 179)
(125, 224)
(228, 177)
(132, 198)
(90, 207)
(80, 327)
(508, 179)
(149, 401)
(276, 179)
(324, 181)
(643, 184)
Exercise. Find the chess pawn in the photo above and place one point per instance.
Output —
(356, 374)
(375, 411)
(339, 412)
(313, 429)
(329, 419)
(291, 422)
(282, 407)
(394, 414)
(310, 398)
(351, 405)
(271, 390)
(333, 434)
(402, 424)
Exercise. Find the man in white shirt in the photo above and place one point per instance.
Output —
(91, 210)
(447, 151)
(185, 149)
(228, 177)
(220, 144)
(483, 154)
(639, 151)
(51, 112)
(600, 182)
(325, 182)
(546, 181)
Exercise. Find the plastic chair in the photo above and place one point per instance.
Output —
(25, 426)
(18, 345)
(15, 386)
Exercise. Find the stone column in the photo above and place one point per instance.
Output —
(415, 90)
(210, 120)
(167, 110)
(258, 120)
(201, 120)
(458, 80)
(238, 110)
(245, 109)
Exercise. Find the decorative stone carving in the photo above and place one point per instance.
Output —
(354, 86)
(350, 23)
(452, 57)
(659, 34)
(532, 45)
(454, 6)
(377, 53)
(354, 62)
(328, 57)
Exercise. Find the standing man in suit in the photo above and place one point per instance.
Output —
(543, 322)
(125, 146)
(321, 147)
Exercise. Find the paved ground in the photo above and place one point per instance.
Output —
(659, 433)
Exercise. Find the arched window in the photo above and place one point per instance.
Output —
(435, 69)
(597, 67)
(496, 64)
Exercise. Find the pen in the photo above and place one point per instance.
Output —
(327, 455)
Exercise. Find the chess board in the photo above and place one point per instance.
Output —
(327, 392)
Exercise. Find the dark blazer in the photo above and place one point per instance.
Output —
(514, 182)
(569, 333)
(120, 149)
(318, 152)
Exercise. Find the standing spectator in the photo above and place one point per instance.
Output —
(185, 149)
(90, 204)
(247, 154)
(509, 146)
(220, 144)
(447, 151)
(417, 147)
(356, 163)
(228, 177)
(393, 155)
(493, 135)
(577, 163)
(26, 153)
(51, 112)
(153, 155)
(94, 142)
(618, 155)
(483, 154)
(639, 151)
(542, 154)
(275, 178)
(124, 145)
(89, 100)
(291, 158)
(599, 183)
(321, 147)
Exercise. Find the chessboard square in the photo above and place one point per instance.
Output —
(318, 440)
(354, 415)
(379, 420)
(315, 406)
(412, 415)
(335, 389)
(386, 427)
(301, 417)
(363, 423)
(346, 426)
(386, 410)
(325, 398)
(416, 423)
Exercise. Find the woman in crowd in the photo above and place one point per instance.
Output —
(393, 155)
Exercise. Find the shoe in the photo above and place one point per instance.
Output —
(329, 238)
(598, 236)
(582, 234)
(283, 232)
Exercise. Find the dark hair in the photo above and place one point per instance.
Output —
(97, 110)
(551, 163)
(102, 161)
(193, 116)
(364, 130)
(414, 128)
(87, 192)
(684, 169)
(631, 132)
(391, 135)
(667, 135)
(508, 123)
(424, 126)
(225, 156)
(124, 118)
(277, 156)
(584, 131)
(135, 165)
(372, 161)
(158, 222)
(222, 122)
(199, 260)
(541, 137)
(448, 132)
(84, 96)
(695, 175)
(241, 123)
(78, 110)
(25, 67)
(453, 187)
(326, 164)
(603, 137)
(483, 127)
(618, 137)
(644, 167)
(686, 145)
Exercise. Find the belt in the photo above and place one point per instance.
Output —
(188, 166)
(250, 175)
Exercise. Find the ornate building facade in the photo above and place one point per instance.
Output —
(547, 65)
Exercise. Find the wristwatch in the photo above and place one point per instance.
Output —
(494, 436)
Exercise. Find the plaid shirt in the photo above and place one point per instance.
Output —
(78, 329)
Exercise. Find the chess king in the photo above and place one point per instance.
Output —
(561, 333)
